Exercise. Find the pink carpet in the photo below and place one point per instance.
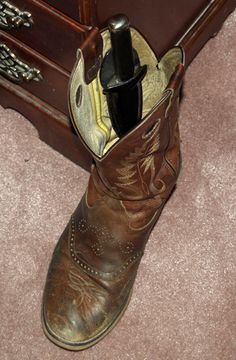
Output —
(184, 302)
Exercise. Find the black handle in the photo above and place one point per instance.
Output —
(121, 76)
(121, 47)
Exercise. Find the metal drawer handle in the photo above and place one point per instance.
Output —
(14, 69)
(11, 17)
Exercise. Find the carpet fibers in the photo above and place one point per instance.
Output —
(184, 301)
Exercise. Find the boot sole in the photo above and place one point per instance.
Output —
(82, 345)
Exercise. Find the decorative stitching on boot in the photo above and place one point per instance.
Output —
(103, 237)
(87, 290)
(169, 166)
(170, 102)
(89, 269)
(153, 130)
(131, 166)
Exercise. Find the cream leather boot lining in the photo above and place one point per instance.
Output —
(88, 103)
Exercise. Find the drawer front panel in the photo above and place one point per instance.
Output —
(52, 34)
(161, 22)
(36, 74)
(84, 11)
(68, 7)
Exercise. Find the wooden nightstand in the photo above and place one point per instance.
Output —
(39, 40)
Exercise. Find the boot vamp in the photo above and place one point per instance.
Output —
(103, 238)
(91, 274)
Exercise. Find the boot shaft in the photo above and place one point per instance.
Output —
(145, 162)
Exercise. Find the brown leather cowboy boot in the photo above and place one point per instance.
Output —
(95, 262)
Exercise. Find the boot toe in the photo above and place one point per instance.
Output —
(77, 314)
(69, 332)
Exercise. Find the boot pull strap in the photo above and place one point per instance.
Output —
(92, 52)
(176, 78)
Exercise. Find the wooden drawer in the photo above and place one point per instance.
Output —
(50, 84)
(84, 11)
(68, 7)
(163, 23)
(52, 34)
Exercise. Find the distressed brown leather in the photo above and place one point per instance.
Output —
(95, 262)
